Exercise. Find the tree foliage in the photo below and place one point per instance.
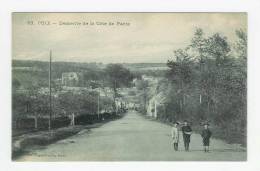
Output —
(208, 82)
(118, 76)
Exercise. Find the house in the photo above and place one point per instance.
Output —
(155, 102)
(72, 79)
(150, 79)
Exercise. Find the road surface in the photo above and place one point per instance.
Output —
(132, 138)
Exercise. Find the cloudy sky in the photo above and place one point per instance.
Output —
(146, 37)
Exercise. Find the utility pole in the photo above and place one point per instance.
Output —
(155, 108)
(50, 99)
(98, 104)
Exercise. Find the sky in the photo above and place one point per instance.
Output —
(130, 37)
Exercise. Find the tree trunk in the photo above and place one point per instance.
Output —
(208, 104)
(145, 101)
(180, 105)
(184, 101)
(35, 122)
(155, 108)
(72, 123)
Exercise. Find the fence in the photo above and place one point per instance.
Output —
(29, 123)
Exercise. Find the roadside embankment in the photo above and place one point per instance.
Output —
(21, 144)
(218, 133)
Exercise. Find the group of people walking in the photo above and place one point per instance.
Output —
(186, 132)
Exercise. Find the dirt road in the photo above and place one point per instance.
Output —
(132, 138)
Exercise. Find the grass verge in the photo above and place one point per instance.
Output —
(21, 144)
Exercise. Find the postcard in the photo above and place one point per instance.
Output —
(129, 86)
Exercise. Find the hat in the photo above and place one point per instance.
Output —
(175, 122)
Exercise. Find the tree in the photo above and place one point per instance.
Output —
(180, 74)
(241, 44)
(208, 78)
(198, 44)
(143, 86)
(218, 48)
(69, 102)
(15, 83)
(118, 76)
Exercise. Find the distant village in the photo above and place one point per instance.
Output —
(73, 81)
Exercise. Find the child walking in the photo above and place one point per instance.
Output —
(175, 136)
(206, 134)
(186, 132)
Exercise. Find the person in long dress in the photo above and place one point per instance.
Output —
(175, 136)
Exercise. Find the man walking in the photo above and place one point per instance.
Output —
(206, 134)
(186, 132)
(175, 136)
